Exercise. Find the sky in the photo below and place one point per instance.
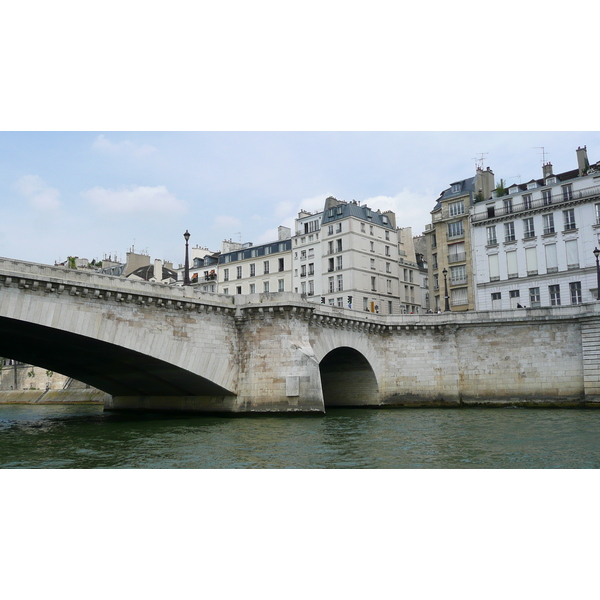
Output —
(97, 194)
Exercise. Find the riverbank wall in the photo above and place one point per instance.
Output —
(85, 396)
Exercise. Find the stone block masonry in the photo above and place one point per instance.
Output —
(155, 347)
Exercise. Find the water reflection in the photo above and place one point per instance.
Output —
(86, 437)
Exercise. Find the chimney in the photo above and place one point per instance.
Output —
(484, 182)
(284, 233)
(158, 269)
(582, 160)
(547, 170)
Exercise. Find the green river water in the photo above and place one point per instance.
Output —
(85, 437)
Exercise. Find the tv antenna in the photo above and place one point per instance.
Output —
(543, 153)
(514, 177)
(479, 160)
(240, 234)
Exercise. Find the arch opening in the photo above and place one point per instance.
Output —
(113, 369)
(347, 379)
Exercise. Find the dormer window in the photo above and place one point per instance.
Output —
(550, 180)
(385, 220)
(532, 185)
(513, 189)
(455, 188)
(369, 215)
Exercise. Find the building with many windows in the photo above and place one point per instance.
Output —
(306, 255)
(449, 242)
(249, 269)
(533, 243)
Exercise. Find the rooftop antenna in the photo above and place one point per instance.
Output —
(514, 177)
(479, 160)
(240, 234)
(543, 153)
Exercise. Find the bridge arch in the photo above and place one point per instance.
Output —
(347, 378)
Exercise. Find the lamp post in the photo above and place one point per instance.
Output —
(446, 297)
(596, 254)
(186, 270)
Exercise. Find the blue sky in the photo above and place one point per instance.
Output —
(92, 194)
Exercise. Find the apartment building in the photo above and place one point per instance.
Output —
(448, 238)
(533, 243)
(249, 269)
(306, 255)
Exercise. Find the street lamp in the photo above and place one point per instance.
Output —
(446, 297)
(186, 271)
(596, 254)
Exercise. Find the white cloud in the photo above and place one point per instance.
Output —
(104, 145)
(412, 209)
(38, 193)
(135, 199)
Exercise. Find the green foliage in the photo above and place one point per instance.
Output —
(72, 263)
(31, 373)
(500, 189)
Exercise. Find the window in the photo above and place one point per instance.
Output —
(455, 229)
(266, 267)
(456, 208)
(494, 267)
(302, 270)
(387, 251)
(362, 228)
(226, 291)
(389, 286)
(508, 206)
(528, 229)
(372, 246)
(365, 303)
(373, 284)
(456, 252)
(455, 187)
(311, 288)
(225, 274)
(496, 300)
(434, 261)
(330, 247)
(569, 219)
(527, 201)
(239, 272)
(372, 261)
(388, 267)
(572, 253)
(330, 265)
(575, 289)
(534, 297)
(492, 240)
(331, 302)
(266, 286)
(554, 291)
(509, 232)
(387, 235)
(546, 197)
(531, 261)
(597, 214)
(303, 255)
(514, 296)
(238, 289)
(252, 270)
(567, 193)
(340, 283)
(311, 268)
(459, 296)
(330, 230)
(281, 264)
(458, 275)
(339, 245)
(339, 209)
(340, 302)
(280, 285)
(339, 263)
(511, 264)
(331, 283)
(551, 258)
(338, 228)
(548, 223)
(434, 238)
(252, 288)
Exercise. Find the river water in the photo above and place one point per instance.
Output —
(55, 437)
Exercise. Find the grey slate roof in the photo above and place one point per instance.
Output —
(350, 209)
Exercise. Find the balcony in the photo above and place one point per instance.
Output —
(458, 257)
(556, 200)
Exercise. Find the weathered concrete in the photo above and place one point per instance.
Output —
(86, 396)
(154, 347)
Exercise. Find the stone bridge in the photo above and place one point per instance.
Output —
(157, 347)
